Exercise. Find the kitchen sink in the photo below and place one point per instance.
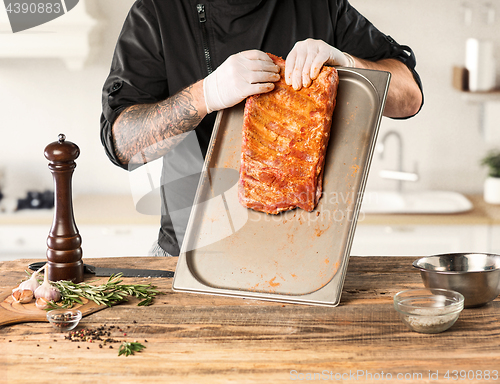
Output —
(430, 202)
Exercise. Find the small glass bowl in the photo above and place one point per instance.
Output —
(429, 310)
(64, 319)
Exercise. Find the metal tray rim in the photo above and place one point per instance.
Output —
(186, 281)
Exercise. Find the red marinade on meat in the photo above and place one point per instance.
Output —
(284, 143)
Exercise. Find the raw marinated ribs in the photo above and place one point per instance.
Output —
(285, 137)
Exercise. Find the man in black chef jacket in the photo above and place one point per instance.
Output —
(177, 62)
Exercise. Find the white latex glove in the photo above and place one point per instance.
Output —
(241, 75)
(306, 58)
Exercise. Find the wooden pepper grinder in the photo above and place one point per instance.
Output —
(64, 252)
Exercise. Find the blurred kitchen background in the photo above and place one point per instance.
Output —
(50, 85)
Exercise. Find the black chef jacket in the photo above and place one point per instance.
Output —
(162, 49)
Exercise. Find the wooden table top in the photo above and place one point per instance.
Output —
(193, 338)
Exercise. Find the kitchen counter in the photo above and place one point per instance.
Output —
(119, 209)
(87, 209)
(111, 226)
(481, 213)
(192, 338)
(108, 224)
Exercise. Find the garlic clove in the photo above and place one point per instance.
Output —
(42, 303)
(31, 284)
(22, 296)
(16, 294)
(47, 291)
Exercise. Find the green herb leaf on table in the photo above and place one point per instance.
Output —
(127, 348)
(109, 293)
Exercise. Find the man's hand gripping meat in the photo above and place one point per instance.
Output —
(241, 75)
(305, 60)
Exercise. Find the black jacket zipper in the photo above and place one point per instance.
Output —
(204, 36)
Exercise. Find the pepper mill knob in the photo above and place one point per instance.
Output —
(64, 252)
(62, 151)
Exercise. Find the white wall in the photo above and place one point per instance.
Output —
(444, 138)
(41, 98)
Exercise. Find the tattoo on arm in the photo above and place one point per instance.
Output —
(151, 130)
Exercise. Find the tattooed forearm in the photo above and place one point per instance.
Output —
(146, 132)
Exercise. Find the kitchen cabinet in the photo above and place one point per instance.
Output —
(495, 239)
(67, 37)
(108, 224)
(419, 240)
(477, 230)
(29, 241)
(22, 241)
(117, 240)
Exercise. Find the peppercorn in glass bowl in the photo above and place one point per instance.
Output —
(429, 310)
(64, 319)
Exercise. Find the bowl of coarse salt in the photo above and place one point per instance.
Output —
(429, 310)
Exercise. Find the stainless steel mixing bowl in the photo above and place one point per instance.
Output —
(475, 275)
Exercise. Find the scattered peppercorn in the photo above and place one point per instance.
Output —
(102, 334)
(91, 335)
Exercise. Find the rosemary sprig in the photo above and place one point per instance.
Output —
(127, 348)
(108, 293)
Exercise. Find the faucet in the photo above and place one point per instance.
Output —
(399, 174)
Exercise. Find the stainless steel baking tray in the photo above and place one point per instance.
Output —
(296, 256)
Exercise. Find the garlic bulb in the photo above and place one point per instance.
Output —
(22, 296)
(32, 283)
(47, 291)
